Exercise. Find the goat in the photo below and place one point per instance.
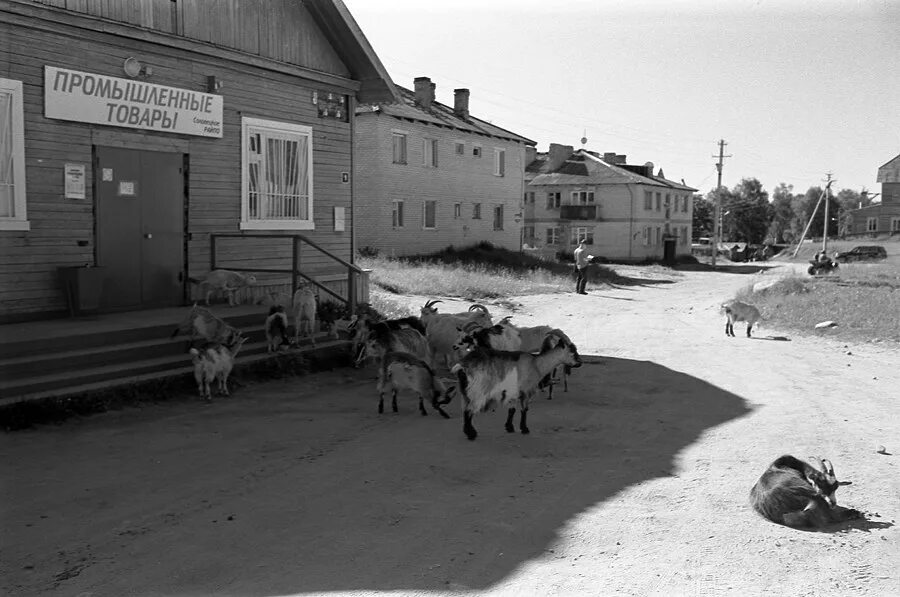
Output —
(276, 328)
(737, 311)
(401, 370)
(304, 306)
(201, 322)
(794, 493)
(441, 329)
(382, 339)
(561, 371)
(213, 365)
(360, 327)
(225, 281)
(502, 336)
(487, 376)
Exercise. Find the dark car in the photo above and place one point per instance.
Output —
(862, 253)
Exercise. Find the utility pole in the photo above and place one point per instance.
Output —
(827, 197)
(717, 226)
(822, 196)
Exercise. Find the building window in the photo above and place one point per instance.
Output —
(528, 233)
(553, 200)
(476, 151)
(552, 236)
(658, 235)
(428, 214)
(871, 224)
(399, 141)
(895, 224)
(587, 234)
(430, 153)
(498, 217)
(529, 197)
(13, 214)
(684, 203)
(659, 202)
(460, 148)
(646, 235)
(476, 211)
(499, 162)
(277, 181)
(397, 214)
(457, 211)
(582, 197)
(648, 200)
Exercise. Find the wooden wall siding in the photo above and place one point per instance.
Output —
(29, 259)
(282, 30)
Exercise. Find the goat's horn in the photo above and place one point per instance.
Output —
(506, 319)
(478, 307)
(431, 303)
(470, 326)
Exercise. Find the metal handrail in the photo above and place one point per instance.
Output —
(295, 272)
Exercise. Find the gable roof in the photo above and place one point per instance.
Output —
(345, 35)
(441, 115)
(890, 172)
(584, 167)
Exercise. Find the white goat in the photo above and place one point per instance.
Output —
(304, 306)
(487, 376)
(442, 329)
(737, 311)
(223, 280)
(214, 364)
(404, 371)
(202, 323)
(276, 328)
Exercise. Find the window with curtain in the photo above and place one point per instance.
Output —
(12, 157)
(277, 176)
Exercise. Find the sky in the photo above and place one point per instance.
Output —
(796, 88)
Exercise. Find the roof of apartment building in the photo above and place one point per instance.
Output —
(890, 172)
(564, 166)
(420, 105)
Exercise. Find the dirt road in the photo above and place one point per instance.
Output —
(633, 483)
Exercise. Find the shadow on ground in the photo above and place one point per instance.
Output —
(730, 268)
(300, 487)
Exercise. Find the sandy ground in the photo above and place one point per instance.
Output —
(634, 482)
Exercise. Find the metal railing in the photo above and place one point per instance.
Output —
(297, 242)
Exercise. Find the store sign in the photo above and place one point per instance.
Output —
(113, 101)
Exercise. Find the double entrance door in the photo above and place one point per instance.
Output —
(140, 227)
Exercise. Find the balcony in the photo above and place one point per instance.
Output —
(577, 212)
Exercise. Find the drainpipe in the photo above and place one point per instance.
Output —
(630, 221)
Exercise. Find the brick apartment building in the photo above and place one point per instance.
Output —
(429, 176)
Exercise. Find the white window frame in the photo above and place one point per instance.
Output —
(895, 224)
(19, 219)
(648, 200)
(397, 210)
(459, 148)
(499, 161)
(281, 129)
(457, 211)
(425, 225)
(477, 151)
(553, 235)
(871, 224)
(404, 136)
(429, 152)
(580, 232)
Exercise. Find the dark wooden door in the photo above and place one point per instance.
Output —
(140, 227)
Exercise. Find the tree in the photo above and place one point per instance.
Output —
(848, 199)
(703, 212)
(805, 204)
(746, 212)
(782, 214)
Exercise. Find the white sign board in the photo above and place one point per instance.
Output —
(74, 174)
(113, 101)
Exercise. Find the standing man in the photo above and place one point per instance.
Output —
(581, 263)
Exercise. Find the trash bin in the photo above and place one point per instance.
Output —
(83, 287)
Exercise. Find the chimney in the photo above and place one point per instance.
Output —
(611, 157)
(557, 155)
(461, 103)
(648, 169)
(530, 154)
(424, 92)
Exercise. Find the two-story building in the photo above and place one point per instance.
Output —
(624, 212)
(133, 135)
(429, 175)
(884, 217)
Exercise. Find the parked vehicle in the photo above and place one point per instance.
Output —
(862, 253)
(821, 266)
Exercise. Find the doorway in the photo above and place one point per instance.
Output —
(140, 203)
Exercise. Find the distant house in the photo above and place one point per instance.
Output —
(429, 176)
(623, 211)
(884, 217)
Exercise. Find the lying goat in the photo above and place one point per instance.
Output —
(304, 306)
(738, 311)
(223, 280)
(403, 371)
(487, 376)
(794, 493)
(201, 323)
(276, 328)
(213, 365)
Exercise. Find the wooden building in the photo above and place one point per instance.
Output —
(154, 140)
(884, 217)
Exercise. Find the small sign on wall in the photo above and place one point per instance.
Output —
(127, 188)
(345, 177)
(338, 219)
(74, 174)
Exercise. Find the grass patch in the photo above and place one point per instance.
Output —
(477, 273)
(863, 304)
